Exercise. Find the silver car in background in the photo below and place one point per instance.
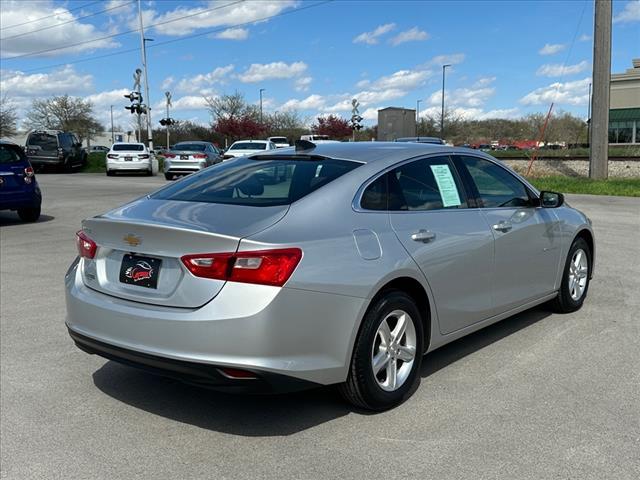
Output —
(331, 264)
(189, 157)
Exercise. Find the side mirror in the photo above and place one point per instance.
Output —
(551, 199)
(227, 157)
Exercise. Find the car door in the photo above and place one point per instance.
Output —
(449, 241)
(527, 237)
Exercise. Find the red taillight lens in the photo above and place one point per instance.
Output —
(28, 172)
(170, 155)
(86, 247)
(199, 155)
(112, 155)
(263, 267)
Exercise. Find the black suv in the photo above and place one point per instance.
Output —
(53, 147)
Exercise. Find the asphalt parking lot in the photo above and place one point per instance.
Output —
(538, 395)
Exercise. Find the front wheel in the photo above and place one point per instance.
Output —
(385, 365)
(575, 279)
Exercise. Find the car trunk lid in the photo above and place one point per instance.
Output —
(158, 233)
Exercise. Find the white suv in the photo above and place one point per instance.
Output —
(131, 157)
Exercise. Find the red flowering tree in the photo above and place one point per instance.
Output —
(239, 127)
(335, 127)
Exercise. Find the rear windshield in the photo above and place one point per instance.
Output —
(258, 183)
(45, 141)
(191, 147)
(249, 146)
(128, 147)
(9, 154)
(279, 140)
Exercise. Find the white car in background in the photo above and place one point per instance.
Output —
(130, 157)
(242, 148)
(280, 142)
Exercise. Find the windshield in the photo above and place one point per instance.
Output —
(258, 183)
(191, 147)
(45, 141)
(128, 147)
(249, 146)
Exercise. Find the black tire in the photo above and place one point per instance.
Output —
(30, 214)
(110, 173)
(361, 388)
(149, 173)
(564, 303)
(168, 176)
(68, 166)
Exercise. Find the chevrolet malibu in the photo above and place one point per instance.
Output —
(325, 264)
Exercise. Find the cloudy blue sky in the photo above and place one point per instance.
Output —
(508, 58)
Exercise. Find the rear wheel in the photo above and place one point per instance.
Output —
(30, 214)
(110, 173)
(575, 279)
(168, 176)
(385, 366)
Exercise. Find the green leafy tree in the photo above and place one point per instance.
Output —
(64, 113)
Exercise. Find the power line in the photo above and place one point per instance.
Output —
(158, 44)
(48, 16)
(31, 54)
(68, 21)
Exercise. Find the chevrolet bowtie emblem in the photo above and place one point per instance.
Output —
(132, 240)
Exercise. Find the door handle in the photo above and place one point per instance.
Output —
(423, 236)
(503, 226)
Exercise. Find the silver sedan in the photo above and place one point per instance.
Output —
(331, 264)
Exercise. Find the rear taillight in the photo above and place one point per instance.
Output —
(170, 155)
(28, 175)
(199, 155)
(264, 267)
(86, 247)
(112, 155)
(60, 152)
(143, 156)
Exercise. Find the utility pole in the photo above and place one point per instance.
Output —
(444, 67)
(261, 90)
(599, 147)
(146, 76)
(589, 119)
(168, 95)
(417, 115)
(113, 138)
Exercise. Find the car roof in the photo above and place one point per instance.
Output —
(253, 141)
(192, 141)
(369, 152)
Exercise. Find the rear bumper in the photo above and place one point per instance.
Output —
(16, 200)
(38, 161)
(132, 166)
(177, 166)
(199, 374)
(304, 335)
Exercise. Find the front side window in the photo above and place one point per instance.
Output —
(496, 186)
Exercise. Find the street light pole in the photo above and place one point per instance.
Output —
(444, 67)
(146, 75)
(261, 90)
(417, 115)
(113, 138)
(589, 119)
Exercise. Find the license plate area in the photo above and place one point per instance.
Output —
(184, 157)
(128, 159)
(140, 270)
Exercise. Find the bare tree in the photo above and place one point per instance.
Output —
(8, 117)
(234, 106)
(64, 113)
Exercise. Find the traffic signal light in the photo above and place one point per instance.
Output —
(134, 96)
(136, 106)
(167, 122)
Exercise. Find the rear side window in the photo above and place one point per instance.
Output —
(9, 154)
(427, 184)
(127, 147)
(45, 141)
(257, 182)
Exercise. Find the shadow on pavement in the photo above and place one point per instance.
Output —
(11, 218)
(271, 415)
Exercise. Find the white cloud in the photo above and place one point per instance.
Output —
(449, 59)
(302, 84)
(484, 81)
(188, 102)
(167, 83)
(551, 49)
(404, 79)
(371, 114)
(184, 21)
(463, 97)
(556, 70)
(312, 102)
(276, 70)
(630, 13)
(501, 113)
(66, 80)
(371, 38)
(568, 93)
(412, 35)
(234, 34)
(203, 82)
(37, 36)
(584, 37)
